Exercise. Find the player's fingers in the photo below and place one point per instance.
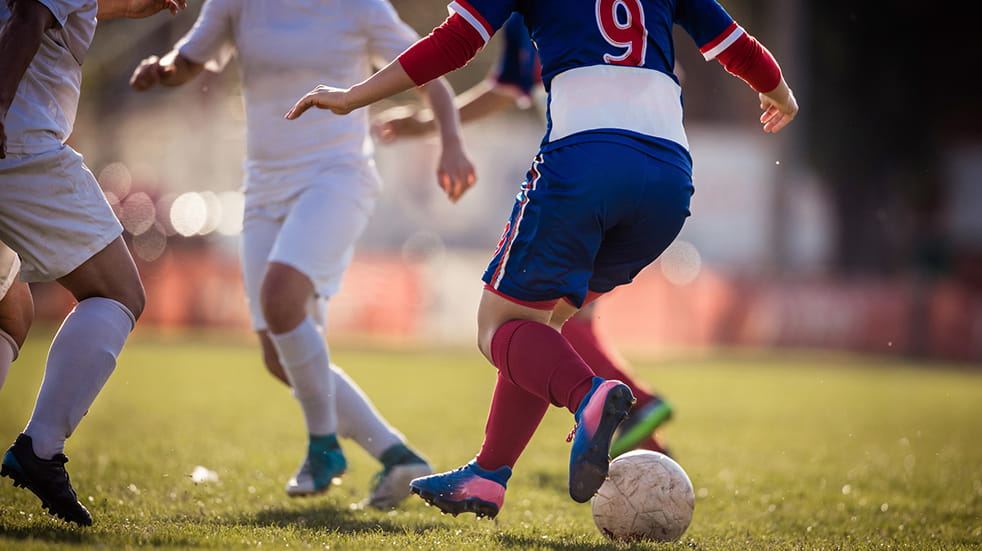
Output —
(143, 79)
(459, 187)
(301, 106)
(446, 184)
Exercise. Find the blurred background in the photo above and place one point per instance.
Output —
(858, 228)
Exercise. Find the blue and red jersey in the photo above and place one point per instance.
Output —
(633, 33)
(607, 65)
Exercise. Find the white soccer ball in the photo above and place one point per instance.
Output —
(647, 496)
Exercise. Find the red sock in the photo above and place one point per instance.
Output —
(539, 360)
(514, 416)
(581, 336)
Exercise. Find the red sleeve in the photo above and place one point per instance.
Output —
(750, 60)
(450, 46)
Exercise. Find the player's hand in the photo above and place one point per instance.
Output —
(779, 106)
(400, 122)
(138, 9)
(322, 97)
(150, 73)
(455, 173)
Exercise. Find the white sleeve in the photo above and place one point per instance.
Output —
(210, 41)
(388, 35)
(61, 9)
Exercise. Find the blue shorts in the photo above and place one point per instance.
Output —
(589, 217)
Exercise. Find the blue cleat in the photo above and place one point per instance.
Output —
(469, 489)
(46, 478)
(598, 416)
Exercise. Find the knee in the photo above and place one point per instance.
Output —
(17, 312)
(284, 304)
(280, 312)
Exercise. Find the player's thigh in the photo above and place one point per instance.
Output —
(661, 205)
(53, 213)
(109, 273)
(319, 233)
(546, 250)
(260, 228)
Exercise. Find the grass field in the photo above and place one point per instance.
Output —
(785, 451)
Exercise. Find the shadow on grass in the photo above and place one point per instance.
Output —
(513, 541)
(328, 518)
(71, 534)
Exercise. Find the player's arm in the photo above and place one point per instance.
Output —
(20, 39)
(137, 9)
(455, 172)
(742, 55)
(449, 47)
(482, 100)
(173, 69)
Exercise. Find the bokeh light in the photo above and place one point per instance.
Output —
(188, 213)
(681, 263)
(137, 213)
(213, 212)
(115, 178)
(150, 244)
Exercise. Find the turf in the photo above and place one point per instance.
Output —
(786, 450)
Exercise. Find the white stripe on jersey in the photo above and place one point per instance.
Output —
(724, 44)
(471, 18)
(641, 100)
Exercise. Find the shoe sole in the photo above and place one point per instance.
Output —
(474, 505)
(643, 429)
(21, 481)
(589, 471)
(297, 492)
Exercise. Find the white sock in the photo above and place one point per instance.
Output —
(303, 354)
(80, 360)
(358, 419)
(8, 353)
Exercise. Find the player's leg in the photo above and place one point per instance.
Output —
(630, 245)
(16, 310)
(81, 359)
(303, 355)
(536, 364)
(650, 410)
(311, 252)
(16, 315)
(57, 219)
(359, 420)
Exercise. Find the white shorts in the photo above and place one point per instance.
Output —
(9, 268)
(53, 213)
(314, 232)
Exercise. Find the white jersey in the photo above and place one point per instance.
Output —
(284, 48)
(43, 111)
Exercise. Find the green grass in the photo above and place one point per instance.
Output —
(786, 451)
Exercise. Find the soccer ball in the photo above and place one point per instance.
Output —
(646, 497)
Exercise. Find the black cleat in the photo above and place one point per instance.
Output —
(47, 478)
